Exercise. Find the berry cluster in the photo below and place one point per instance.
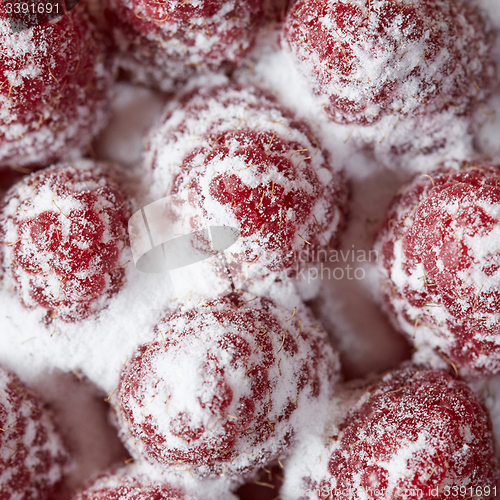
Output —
(211, 396)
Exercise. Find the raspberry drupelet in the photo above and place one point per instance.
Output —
(417, 433)
(224, 389)
(162, 44)
(439, 254)
(63, 231)
(370, 59)
(55, 82)
(32, 456)
(250, 164)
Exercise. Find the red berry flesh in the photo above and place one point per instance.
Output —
(54, 89)
(225, 389)
(415, 434)
(162, 44)
(64, 230)
(440, 261)
(250, 164)
(32, 456)
(369, 59)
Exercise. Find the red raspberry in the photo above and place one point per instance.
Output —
(121, 485)
(64, 230)
(163, 43)
(32, 457)
(141, 482)
(252, 165)
(369, 59)
(440, 261)
(225, 389)
(54, 89)
(415, 434)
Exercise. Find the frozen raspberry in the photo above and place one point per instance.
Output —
(32, 457)
(163, 43)
(121, 485)
(440, 261)
(54, 89)
(64, 229)
(415, 434)
(140, 482)
(226, 388)
(371, 59)
(250, 164)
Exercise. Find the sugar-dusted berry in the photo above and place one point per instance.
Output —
(417, 433)
(32, 456)
(140, 481)
(122, 484)
(369, 59)
(55, 81)
(162, 44)
(251, 164)
(440, 263)
(226, 388)
(63, 232)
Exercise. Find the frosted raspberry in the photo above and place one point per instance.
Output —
(64, 230)
(32, 457)
(440, 261)
(121, 485)
(226, 388)
(415, 434)
(163, 43)
(54, 89)
(141, 482)
(252, 166)
(371, 59)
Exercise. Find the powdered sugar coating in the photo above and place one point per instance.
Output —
(162, 44)
(54, 89)
(440, 264)
(63, 230)
(370, 59)
(32, 456)
(253, 166)
(417, 433)
(225, 389)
